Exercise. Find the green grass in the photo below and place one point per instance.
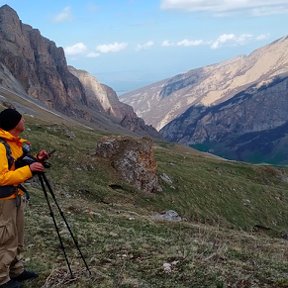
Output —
(216, 244)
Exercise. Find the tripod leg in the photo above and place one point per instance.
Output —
(54, 221)
(66, 223)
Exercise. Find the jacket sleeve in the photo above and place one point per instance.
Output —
(9, 177)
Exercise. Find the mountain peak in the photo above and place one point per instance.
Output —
(7, 9)
(9, 20)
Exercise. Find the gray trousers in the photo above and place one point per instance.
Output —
(11, 239)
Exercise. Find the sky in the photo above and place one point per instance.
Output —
(128, 44)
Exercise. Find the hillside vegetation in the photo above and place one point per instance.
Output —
(234, 219)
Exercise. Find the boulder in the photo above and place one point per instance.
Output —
(133, 159)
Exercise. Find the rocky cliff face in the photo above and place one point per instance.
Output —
(105, 100)
(35, 65)
(251, 126)
(160, 103)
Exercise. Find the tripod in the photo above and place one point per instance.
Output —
(44, 181)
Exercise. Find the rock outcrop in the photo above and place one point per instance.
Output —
(132, 159)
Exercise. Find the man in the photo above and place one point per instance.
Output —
(12, 202)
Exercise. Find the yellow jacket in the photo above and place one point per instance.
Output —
(12, 176)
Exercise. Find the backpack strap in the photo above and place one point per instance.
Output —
(9, 156)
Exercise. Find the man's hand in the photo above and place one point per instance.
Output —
(36, 167)
(42, 155)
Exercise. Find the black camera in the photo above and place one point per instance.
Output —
(27, 159)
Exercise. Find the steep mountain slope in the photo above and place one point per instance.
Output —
(251, 126)
(160, 103)
(32, 64)
(122, 231)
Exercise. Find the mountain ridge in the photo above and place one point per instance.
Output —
(215, 83)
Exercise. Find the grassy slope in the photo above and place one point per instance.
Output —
(215, 246)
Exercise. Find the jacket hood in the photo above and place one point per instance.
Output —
(8, 136)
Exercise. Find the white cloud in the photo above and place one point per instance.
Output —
(64, 15)
(222, 40)
(184, 43)
(110, 48)
(76, 49)
(188, 43)
(254, 7)
(146, 45)
(80, 49)
(232, 39)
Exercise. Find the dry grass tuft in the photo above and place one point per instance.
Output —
(62, 278)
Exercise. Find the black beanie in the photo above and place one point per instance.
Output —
(9, 118)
